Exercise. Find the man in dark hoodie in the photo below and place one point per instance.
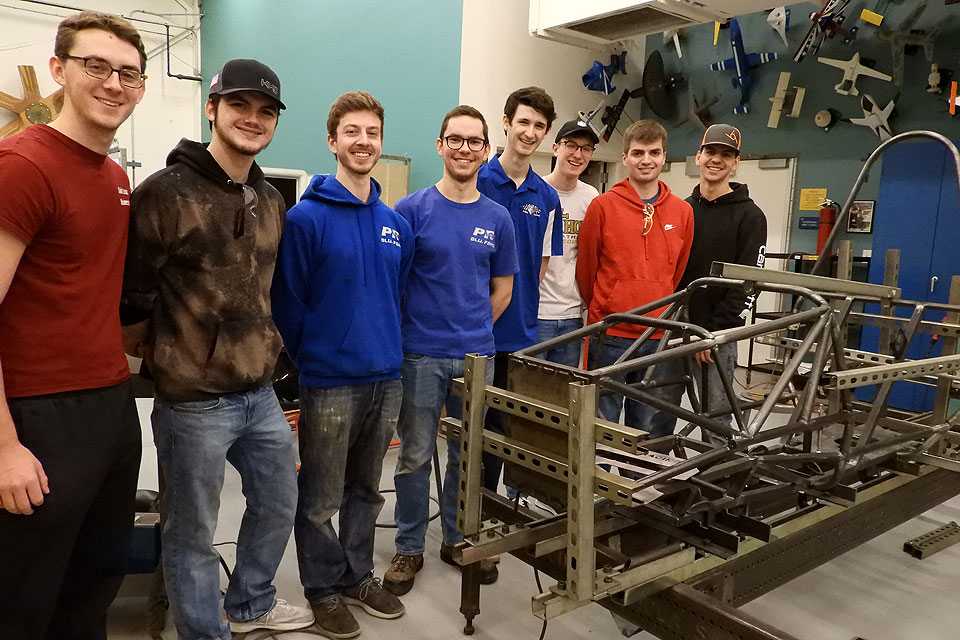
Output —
(632, 249)
(342, 265)
(196, 299)
(728, 227)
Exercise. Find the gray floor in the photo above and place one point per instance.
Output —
(875, 592)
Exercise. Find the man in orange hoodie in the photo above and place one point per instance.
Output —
(633, 248)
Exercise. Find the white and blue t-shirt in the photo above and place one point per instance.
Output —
(458, 248)
(534, 208)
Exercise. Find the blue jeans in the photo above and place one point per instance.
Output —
(344, 434)
(715, 397)
(194, 441)
(637, 414)
(427, 383)
(568, 354)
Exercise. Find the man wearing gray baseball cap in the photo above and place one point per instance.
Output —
(203, 242)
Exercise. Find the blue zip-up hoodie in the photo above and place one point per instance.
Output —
(341, 268)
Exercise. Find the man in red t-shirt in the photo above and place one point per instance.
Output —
(632, 249)
(69, 431)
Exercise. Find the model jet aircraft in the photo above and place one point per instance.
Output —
(785, 98)
(741, 62)
(600, 76)
(611, 115)
(905, 36)
(826, 23)
(590, 117)
(779, 21)
(874, 117)
(852, 69)
(673, 35)
(699, 112)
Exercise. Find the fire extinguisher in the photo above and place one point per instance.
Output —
(828, 218)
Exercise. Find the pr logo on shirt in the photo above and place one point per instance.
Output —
(124, 197)
(483, 236)
(532, 210)
(389, 235)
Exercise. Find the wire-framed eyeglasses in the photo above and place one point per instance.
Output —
(572, 147)
(101, 70)
(648, 212)
(456, 142)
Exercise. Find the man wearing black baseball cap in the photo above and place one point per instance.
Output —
(561, 308)
(196, 296)
(728, 227)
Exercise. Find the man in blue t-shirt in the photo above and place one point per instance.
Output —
(534, 207)
(460, 282)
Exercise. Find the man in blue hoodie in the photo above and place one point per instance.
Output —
(342, 265)
(465, 257)
(534, 207)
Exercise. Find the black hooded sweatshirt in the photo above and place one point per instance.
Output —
(731, 228)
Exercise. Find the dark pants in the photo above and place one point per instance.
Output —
(61, 567)
(495, 421)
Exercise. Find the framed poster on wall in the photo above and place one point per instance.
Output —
(860, 219)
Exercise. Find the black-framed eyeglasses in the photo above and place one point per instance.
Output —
(250, 201)
(456, 142)
(101, 70)
(572, 146)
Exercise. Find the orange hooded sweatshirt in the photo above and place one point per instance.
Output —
(619, 268)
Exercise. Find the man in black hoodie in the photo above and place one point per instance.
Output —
(196, 306)
(728, 227)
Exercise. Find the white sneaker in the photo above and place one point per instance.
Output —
(282, 617)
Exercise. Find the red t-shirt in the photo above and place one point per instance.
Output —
(59, 322)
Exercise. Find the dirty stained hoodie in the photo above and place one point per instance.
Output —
(199, 265)
(341, 270)
(618, 267)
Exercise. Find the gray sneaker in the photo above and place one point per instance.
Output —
(374, 599)
(282, 617)
(334, 619)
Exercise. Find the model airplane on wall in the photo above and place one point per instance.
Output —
(874, 117)
(600, 76)
(741, 62)
(852, 69)
(699, 113)
(826, 23)
(779, 21)
(905, 36)
(785, 99)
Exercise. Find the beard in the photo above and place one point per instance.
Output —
(229, 141)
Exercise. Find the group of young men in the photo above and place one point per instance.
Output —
(377, 307)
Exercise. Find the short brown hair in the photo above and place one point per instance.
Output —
(349, 102)
(645, 131)
(465, 110)
(534, 97)
(123, 29)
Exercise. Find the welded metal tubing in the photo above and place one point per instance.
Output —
(819, 265)
(788, 372)
(715, 426)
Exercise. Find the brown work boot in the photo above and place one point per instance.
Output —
(334, 619)
(398, 579)
(488, 570)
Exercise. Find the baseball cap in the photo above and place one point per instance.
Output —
(724, 134)
(246, 75)
(577, 127)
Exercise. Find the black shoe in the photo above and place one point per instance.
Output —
(334, 619)
(375, 600)
(488, 570)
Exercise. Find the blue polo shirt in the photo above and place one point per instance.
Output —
(458, 248)
(534, 208)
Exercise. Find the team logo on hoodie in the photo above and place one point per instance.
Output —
(483, 236)
(389, 235)
(532, 209)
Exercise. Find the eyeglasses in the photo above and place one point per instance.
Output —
(249, 204)
(456, 142)
(648, 212)
(572, 146)
(101, 70)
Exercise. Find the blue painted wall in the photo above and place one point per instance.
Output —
(407, 54)
(833, 159)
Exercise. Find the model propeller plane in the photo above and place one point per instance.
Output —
(699, 112)
(741, 63)
(785, 99)
(852, 69)
(906, 36)
(826, 23)
(874, 117)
